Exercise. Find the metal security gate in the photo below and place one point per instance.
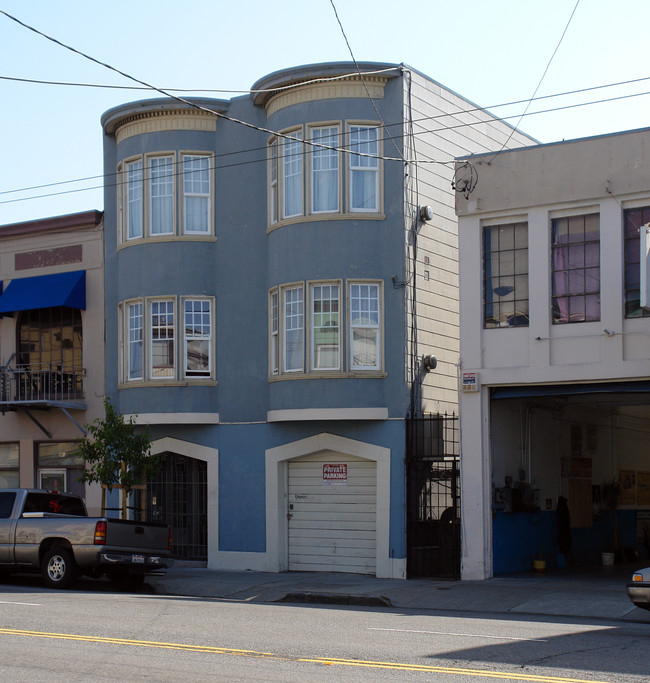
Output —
(178, 496)
(433, 497)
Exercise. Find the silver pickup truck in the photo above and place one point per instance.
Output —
(51, 532)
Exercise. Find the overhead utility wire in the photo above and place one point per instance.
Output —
(323, 79)
(192, 105)
(243, 163)
(372, 101)
(420, 120)
(557, 47)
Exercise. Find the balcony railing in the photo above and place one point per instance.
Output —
(40, 384)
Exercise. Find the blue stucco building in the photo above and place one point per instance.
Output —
(277, 266)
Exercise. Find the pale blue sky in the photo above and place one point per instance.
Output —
(490, 51)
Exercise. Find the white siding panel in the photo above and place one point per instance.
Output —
(332, 527)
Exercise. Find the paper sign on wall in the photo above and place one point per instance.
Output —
(335, 474)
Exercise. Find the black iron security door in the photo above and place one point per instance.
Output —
(178, 496)
(433, 497)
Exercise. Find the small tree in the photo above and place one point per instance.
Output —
(116, 456)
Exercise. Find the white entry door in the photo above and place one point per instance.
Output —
(332, 513)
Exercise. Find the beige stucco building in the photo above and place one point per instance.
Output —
(51, 348)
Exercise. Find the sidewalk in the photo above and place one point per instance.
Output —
(594, 592)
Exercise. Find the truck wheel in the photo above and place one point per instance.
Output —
(58, 569)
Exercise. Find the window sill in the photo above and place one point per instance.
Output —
(187, 382)
(166, 238)
(358, 374)
(327, 217)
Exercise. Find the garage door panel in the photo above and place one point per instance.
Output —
(352, 536)
(332, 526)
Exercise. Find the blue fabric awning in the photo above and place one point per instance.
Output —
(45, 291)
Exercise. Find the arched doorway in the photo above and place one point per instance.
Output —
(178, 496)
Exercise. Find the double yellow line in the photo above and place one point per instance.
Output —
(396, 666)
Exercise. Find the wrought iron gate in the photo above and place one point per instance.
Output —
(178, 496)
(433, 497)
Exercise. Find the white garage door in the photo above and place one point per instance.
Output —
(332, 506)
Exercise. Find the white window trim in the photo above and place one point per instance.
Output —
(378, 170)
(273, 182)
(296, 135)
(312, 348)
(274, 332)
(283, 328)
(310, 175)
(379, 327)
(211, 341)
(125, 208)
(126, 339)
(149, 193)
(151, 341)
(345, 333)
(209, 195)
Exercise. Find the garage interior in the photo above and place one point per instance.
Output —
(570, 475)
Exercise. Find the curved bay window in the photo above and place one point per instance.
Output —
(49, 344)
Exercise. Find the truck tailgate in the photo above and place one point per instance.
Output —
(127, 534)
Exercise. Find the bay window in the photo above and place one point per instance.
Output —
(312, 338)
(167, 346)
(297, 190)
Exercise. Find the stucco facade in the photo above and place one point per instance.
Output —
(52, 348)
(554, 353)
(270, 295)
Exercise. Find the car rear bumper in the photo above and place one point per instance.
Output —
(135, 561)
(638, 592)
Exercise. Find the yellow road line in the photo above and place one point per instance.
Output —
(395, 666)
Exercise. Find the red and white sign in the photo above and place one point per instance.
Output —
(335, 474)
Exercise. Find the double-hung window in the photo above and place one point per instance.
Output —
(275, 333)
(505, 275)
(160, 345)
(325, 327)
(364, 326)
(274, 198)
(9, 473)
(633, 221)
(161, 195)
(162, 339)
(313, 328)
(294, 338)
(196, 194)
(134, 203)
(135, 341)
(364, 168)
(325, 169)
(292, 164)
(198, 337)
(576, 269)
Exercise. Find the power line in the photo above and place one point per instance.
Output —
(557, 47)
(420, 161)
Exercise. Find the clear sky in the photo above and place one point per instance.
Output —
(490, 51)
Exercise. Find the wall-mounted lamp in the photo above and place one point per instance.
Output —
(426, 213)
(430, 362)
(609, 333)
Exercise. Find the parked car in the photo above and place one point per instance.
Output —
(51, 532)
(638, 590)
